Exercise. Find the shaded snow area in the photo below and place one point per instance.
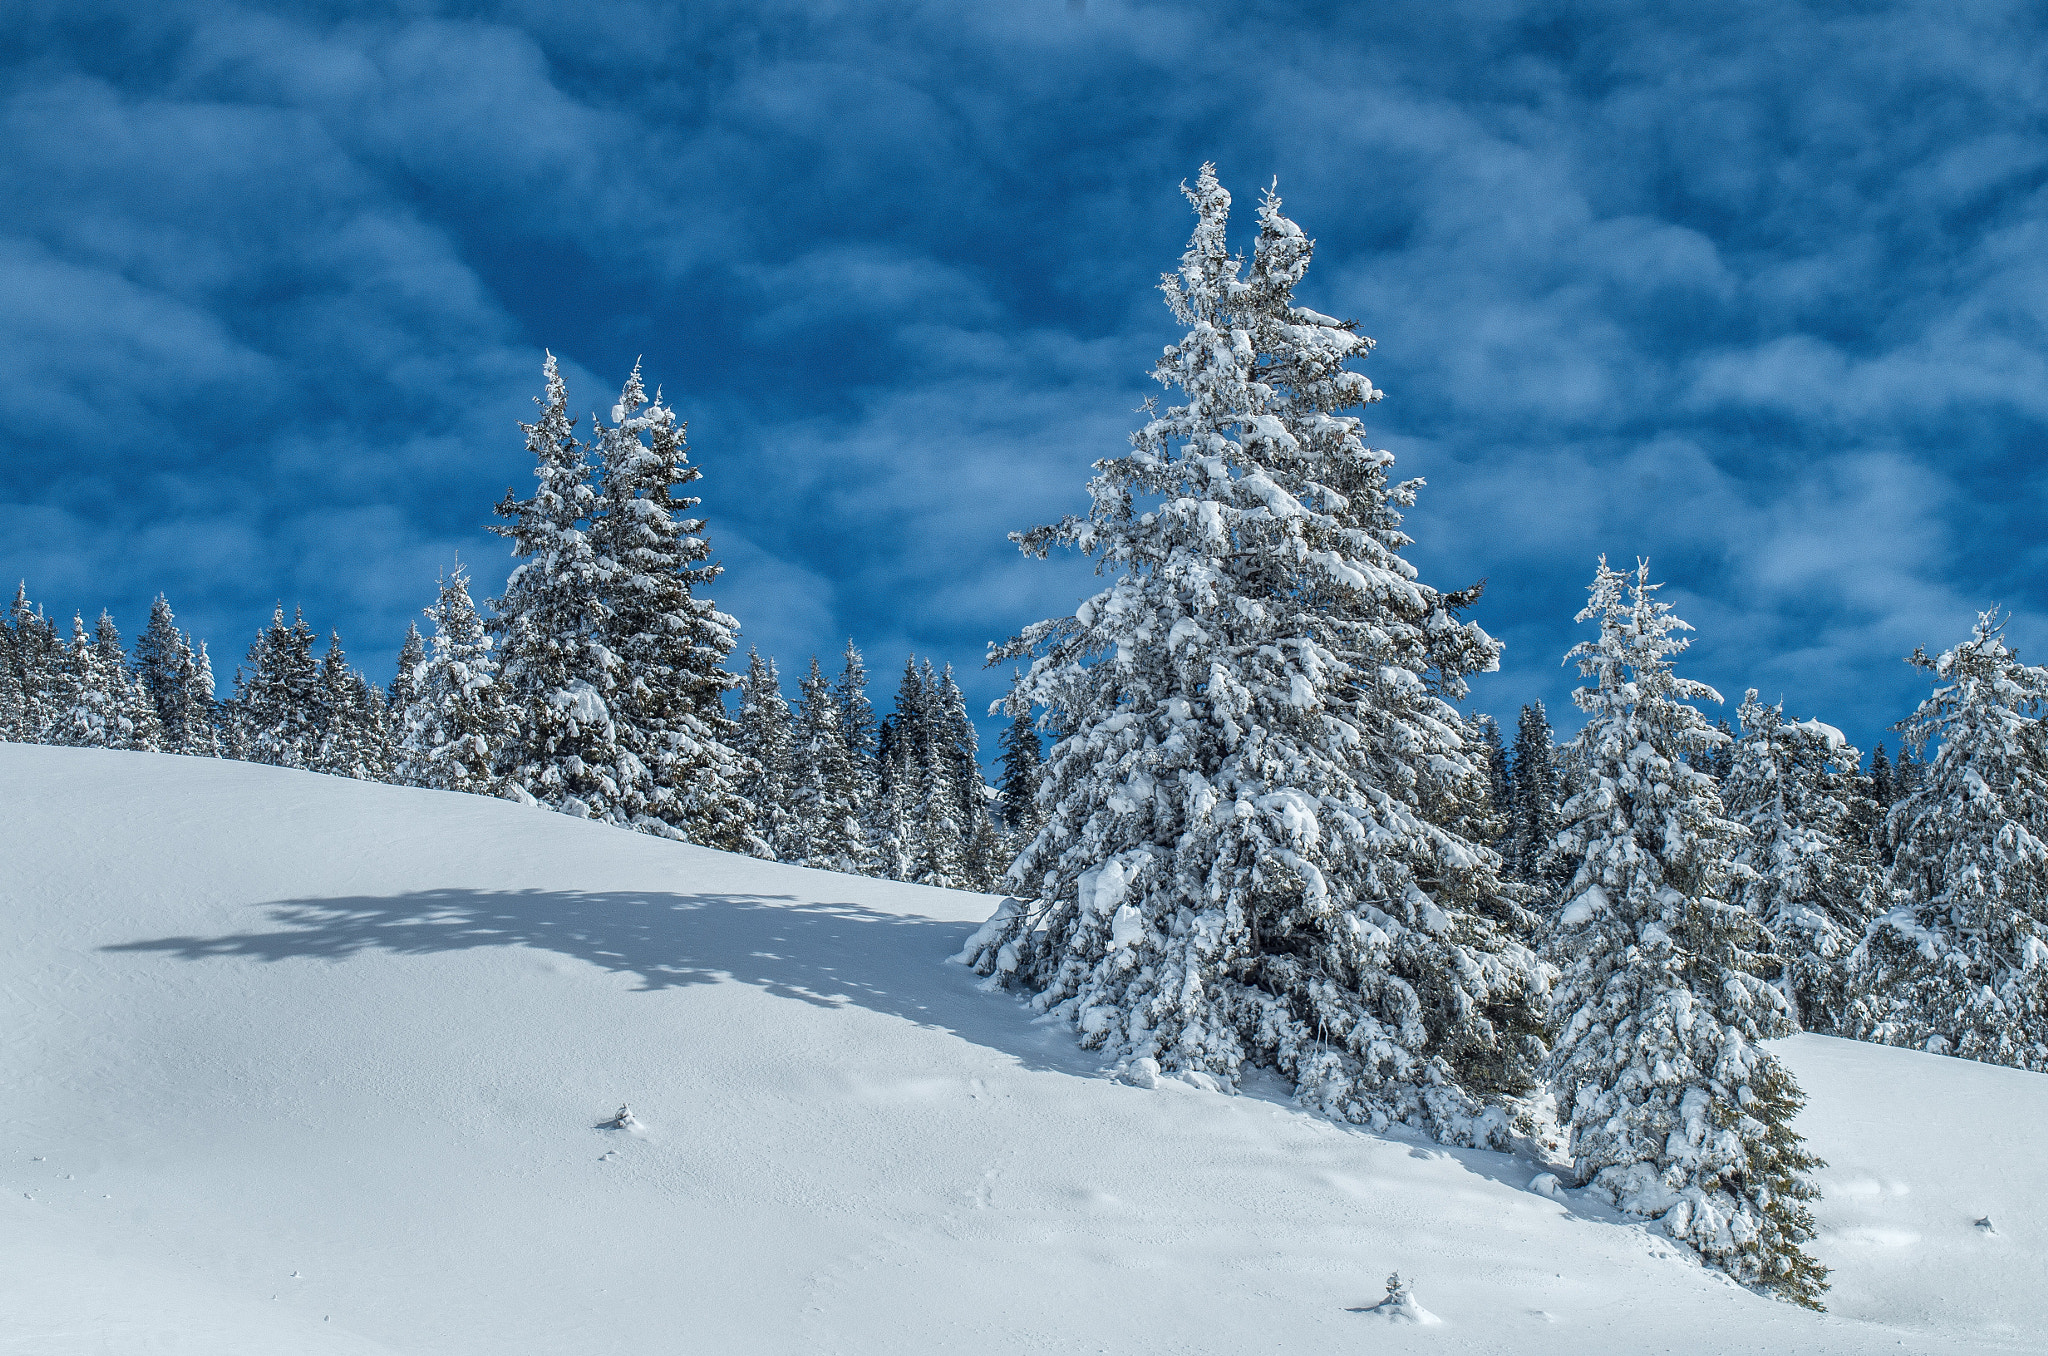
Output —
(296, 1064)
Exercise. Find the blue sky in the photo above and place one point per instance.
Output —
(1757, 291)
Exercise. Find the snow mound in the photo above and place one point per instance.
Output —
(259, 1023)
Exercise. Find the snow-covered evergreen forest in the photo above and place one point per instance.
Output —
(1242, 812)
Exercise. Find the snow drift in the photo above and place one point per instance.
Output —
(298, 1064)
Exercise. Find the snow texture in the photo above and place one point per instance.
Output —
(297, 1064)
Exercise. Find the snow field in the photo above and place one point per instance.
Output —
(256, 1022)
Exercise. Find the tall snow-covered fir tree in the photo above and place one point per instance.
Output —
(550, 625)
(1254, 847)
(276, 708)
(766, 743)
(1960, 966)
(825, 827)
(679, 772)
(1812, 880)
(462, 720)
(1676, 1109)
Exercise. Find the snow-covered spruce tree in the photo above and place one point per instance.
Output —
(934, 829)
(462, 719)
(353, 738)
(679, 771)
(1881, 778)
(1907, 772)
(81, 696)
(889, 824)
(99, 705)
(276, 713)
(1533, 796)
(163, 665)
(1022, 763)
(1252, 849)
(1811, 878)
(1960, 966)
(380, 735)
(1500, 792)
(13, 701)
(859, 728)
(168, 668)
(1676, 1109)
(202, 719)
(825, 831)
(907, 792)
(39, 667)
(550, 625)
(766, 742)
(136, 725)
(405, 691)
(985, 853)
(962, 842)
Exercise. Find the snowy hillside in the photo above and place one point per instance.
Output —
(297, 1064)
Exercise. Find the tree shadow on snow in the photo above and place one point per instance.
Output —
(828, 955)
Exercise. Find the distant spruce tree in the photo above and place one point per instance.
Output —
(862, 732)
(1677, 1111)
(1534, 797)
(1500, 790)
(13, 700)
(1719, 761)
(1253, 849)
(462, 719)
(825, 828)
(1811, 879)
(354, 736)
(38, 669)
(1881, 778)
(1023, 763)
(276, 707)
(1907, 771)
(767, 740)
(404, 696)
(1960, 966)
(168, 667)
(134, 722)
(97, 703)
(981, 859)
(550, 625)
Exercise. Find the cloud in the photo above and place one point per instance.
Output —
(1768, 312)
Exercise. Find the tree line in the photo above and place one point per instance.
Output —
(596, 685)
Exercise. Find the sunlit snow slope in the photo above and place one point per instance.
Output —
(295, 1064)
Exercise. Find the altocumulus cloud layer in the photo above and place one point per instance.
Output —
(1755, 290)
